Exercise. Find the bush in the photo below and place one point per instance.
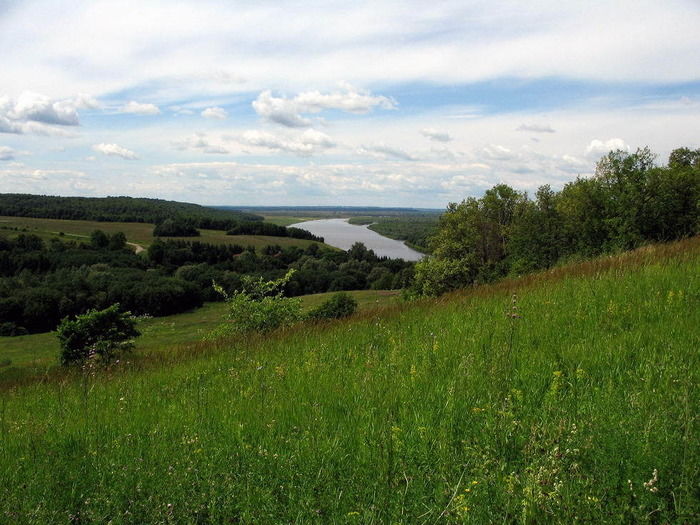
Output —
(104, 333)
(259, 307)
(339, 305)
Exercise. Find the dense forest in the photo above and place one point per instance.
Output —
(119, 209)
(267, 228)
(628, 202)
(42, 282)
(415, 230)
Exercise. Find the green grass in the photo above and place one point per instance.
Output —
(160, 334)
(480, 407)
(136, 232)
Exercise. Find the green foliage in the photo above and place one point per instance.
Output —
(439, 412)
(118, 209)
(415, 229)
(259, 306)
(103, 333)
(175, 228)
(629, 202)
(339, 305)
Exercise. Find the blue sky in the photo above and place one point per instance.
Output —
(336, 103)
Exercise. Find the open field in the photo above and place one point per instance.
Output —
(286, 220)
(566, 396)
(160, 334)
(136, 232)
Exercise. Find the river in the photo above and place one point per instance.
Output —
(341, 234)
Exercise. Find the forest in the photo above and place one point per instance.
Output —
(120, 209)
(42, 282)
(630, 201)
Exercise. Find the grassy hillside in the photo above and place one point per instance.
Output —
(567, 396)
(136, 232)
(32, 355)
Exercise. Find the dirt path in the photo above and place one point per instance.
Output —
(137, 247)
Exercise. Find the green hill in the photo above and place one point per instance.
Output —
(117, 209)
(566, 396)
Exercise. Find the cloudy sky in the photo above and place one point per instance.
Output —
(406, 103)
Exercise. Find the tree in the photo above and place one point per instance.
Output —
(99, 240)
(104, 333)
(339, 305)
(260, 306)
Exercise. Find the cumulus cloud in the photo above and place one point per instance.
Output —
(535, 128)
(383, 151)
(307, 143)
(35, 113)
(434, 134)
(498, 152)
(138, 108)
(288, 111)
(114, 150)
(200, 141)
(7, 153)
(216, 113)
(599, 147)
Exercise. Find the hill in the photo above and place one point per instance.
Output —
(117, 209)
(565, 396)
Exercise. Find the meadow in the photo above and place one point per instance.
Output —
(566, 396)
(34, 354)
(136, 232)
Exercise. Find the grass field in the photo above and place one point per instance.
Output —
(569, 396)
(40, 351)
(136, 232)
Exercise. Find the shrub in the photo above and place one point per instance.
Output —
(259, 307)
(104, 333)
(339, 305)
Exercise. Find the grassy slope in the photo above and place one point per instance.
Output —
(136, 232)
(160, 334)
(444, 411)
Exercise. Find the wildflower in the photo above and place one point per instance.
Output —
(651, 484)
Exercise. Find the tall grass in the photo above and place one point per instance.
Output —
(553, 405)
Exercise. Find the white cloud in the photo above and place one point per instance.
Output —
(138, 108)
(115, 150)
(597, 147)
(434, 134)
(536, 128)
(200, 141)
(288, 111)
(382, 151)
(307, 143)
(497, 152)
(7, 153)
(215, 113)
(35, 113)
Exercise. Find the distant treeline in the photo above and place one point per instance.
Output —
(415, 230)
(267, 228)
(119, 209)
(42, 282)
(630, 201)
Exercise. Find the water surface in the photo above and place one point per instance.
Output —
(341, 234)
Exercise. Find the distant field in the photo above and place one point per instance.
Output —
(286, 220)
(162, 333)
(136, 232)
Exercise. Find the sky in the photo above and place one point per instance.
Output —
(377, 103)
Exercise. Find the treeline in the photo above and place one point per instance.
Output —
(119, 209)
(415, 230)
(42, 282)
(267, 228)
(628, 202)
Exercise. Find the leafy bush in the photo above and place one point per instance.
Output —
(259, 307)
(339, 305)
(104, 333)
